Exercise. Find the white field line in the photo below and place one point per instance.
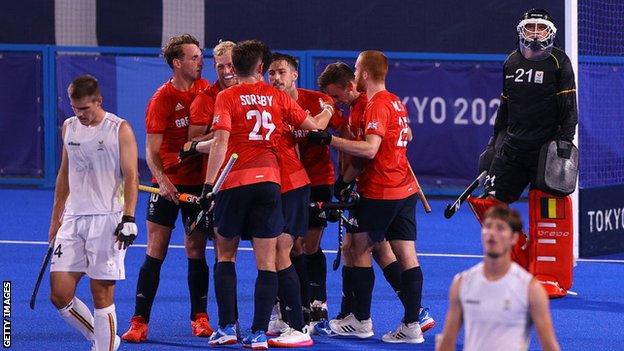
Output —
(24, 242)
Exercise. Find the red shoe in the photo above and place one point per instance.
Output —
(138, 330)
(201, 325)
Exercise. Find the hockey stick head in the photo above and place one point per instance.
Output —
(451, 209)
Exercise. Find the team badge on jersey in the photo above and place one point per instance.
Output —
(539, 77)
(372, 125)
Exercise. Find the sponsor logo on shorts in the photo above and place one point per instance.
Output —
(73, 143)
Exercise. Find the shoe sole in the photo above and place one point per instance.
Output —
(141, 338)
(404, 341)
(360, 335)
(295, 344)
(204, 333)
(224, 340)
(257, 346)
(427, 326)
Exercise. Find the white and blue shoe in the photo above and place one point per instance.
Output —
(223, 336)
(322, 328)
(424, 320)
(256, 341)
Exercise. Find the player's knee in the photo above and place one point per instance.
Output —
(226, 255)
(195, 250)
(60, 299)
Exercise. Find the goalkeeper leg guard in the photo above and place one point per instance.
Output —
(551, 247)
(479, 206)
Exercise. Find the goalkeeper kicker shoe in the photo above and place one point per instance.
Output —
(138, 330)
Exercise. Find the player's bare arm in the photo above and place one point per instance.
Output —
(322, 119)
(61, 192)
(217, 154)
(366, 148)
(453, 319)
(540, 314)
(167, 189)
(129, 167)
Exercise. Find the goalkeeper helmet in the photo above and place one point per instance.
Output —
(536, 34)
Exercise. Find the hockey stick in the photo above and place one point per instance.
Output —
(184, 197)
(44, 266)
(189, 227)
(420, 193)
(452, 208)
(336, 262)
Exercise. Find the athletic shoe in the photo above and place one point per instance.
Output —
(322, 328)
(292, 338)
(410, 334)
(201, 326)
(115, 345)
(224, 336)
(138, 330)
(256, 341)
(350, 326)
(424, 320)
(276, 327)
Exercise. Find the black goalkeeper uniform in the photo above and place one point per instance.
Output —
(538, 104)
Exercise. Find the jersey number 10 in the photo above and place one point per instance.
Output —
(264, 120)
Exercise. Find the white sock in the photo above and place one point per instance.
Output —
(78, 315)
(105, 328)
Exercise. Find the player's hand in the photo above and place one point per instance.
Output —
(168, 190)
(326, 106)
(319, 137)
(342, 189)
(189, 149)
(206, 199)
(333, 216)
(54, 227)
(126, 232)
(487, 156)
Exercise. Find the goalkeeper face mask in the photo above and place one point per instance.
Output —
(536, 34)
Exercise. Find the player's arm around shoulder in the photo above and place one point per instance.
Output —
(128, 159)
(453, 318)
(540, 314)
(61, 190)
(218, 149)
